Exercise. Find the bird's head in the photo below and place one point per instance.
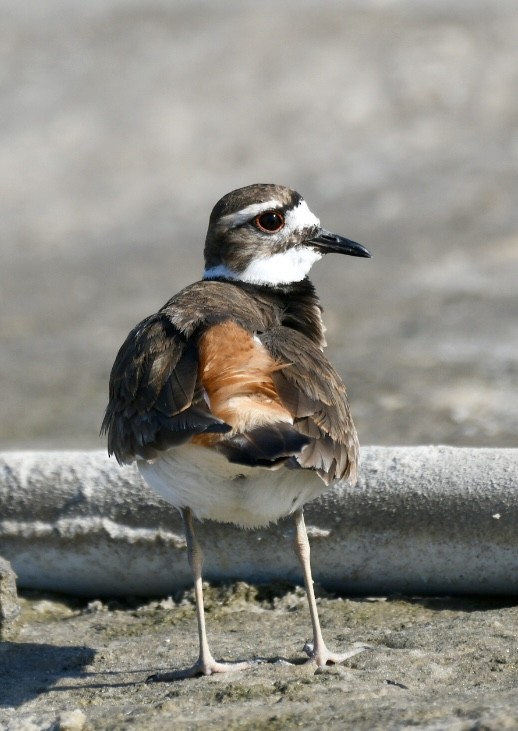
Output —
(266, 234)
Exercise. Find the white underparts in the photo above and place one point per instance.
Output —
(214, 488)
(282, 268)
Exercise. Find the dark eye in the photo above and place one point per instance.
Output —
(270, 221)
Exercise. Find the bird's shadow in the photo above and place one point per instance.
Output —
(28, 669)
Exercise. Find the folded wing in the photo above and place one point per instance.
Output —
(314, 394)
(259, 398)
(156, 400)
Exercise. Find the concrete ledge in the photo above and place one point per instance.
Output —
(421, 520)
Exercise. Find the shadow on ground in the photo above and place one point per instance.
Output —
(29, 669)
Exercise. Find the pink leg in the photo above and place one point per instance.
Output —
(205, 664)
(317, 651)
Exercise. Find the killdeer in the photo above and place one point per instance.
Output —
(228, 386)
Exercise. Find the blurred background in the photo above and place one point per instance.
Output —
(124, 121)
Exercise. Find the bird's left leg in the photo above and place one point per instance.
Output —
(205, 664)
(317, 651)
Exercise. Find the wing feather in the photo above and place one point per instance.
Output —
(313, 392)
(155, 401)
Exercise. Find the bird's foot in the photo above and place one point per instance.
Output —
(322, 656)
(205, 667)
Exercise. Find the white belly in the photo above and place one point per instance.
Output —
(203, 480)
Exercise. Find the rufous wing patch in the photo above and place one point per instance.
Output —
(235, 369)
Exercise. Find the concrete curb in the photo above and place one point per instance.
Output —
(421, 520)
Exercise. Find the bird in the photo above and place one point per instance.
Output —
(225, 399)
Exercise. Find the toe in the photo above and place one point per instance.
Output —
(322, 656)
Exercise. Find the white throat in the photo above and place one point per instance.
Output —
(282, 268)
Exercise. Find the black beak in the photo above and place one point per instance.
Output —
(332, 243)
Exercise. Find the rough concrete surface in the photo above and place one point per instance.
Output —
(420, 520)
(433, 664)
(122, 124)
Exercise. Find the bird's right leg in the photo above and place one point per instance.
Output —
(316, 650)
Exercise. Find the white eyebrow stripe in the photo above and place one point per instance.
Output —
(245, 214)
(297, 218)
(300, 217)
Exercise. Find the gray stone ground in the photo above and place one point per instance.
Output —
(122, 124)
(437, 663)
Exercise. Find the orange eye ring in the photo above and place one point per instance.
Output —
(270, 222)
